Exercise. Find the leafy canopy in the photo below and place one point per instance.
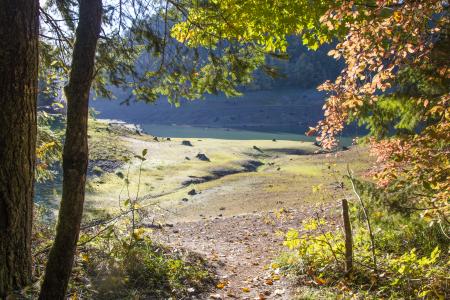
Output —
(396, 79)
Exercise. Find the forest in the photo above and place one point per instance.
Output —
(267, 190)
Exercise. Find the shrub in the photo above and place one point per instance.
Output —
(316, 256)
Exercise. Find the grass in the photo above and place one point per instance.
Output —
(308, 170)
(286, 178)
(105, 143)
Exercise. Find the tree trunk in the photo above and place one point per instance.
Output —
(19, 29)
(75, 155)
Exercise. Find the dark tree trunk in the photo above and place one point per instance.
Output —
(19, 29)
(75, 155)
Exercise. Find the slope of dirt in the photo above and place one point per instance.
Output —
(243, 249)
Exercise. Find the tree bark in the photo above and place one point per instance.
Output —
(19, 29)
(75, 154)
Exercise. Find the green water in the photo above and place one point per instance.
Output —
(178, 131)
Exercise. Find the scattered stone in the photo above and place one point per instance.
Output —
(186, 143)
(97, 171)
(185, 199)
(192, 192)
(220, 215)
(202, 157)
(222, 208)
(274, 140)
(155, 139)
(168, 139)
(187, 158)
(278, 292)
(278, 169)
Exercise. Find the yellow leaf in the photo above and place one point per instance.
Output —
(85, 258)
(397, 16)
(275, 266)
(246, 290)
(319, 281)
(220, 285)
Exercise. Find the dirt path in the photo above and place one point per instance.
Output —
(242, 249)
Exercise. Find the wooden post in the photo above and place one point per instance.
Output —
(348, 237)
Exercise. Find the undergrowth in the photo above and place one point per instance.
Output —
(117, 258)
(411, 256)
(111, 264)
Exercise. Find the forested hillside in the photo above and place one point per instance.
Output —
(286, 100)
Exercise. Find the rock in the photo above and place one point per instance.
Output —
(124, 128)
(222, 208)
(185, 199)
(274, 140)
(187, 158)
(186, 143)
(168, 139)
(155, 139)
(345, 148)
(192, 192)
(278, 292)
(202, 157)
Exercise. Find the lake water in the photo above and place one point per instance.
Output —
(179, 131)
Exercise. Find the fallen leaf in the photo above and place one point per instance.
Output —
(220, 285)
(319, 281)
